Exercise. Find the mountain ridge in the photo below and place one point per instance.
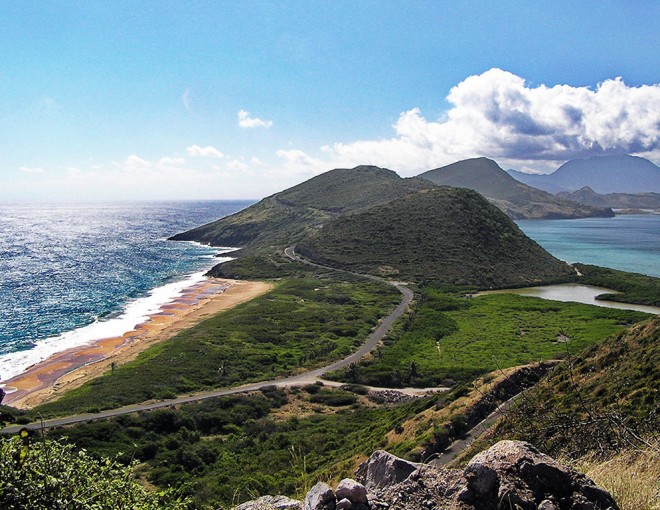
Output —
(516, 199)
(621, 173)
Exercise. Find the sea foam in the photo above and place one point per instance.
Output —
(135, 312)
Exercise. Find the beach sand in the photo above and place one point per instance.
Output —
(71, 368)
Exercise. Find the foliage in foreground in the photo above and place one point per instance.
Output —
(453, 339)
(50, 475)
(228, 450)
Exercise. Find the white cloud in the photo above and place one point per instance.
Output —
(185, 99)
(207, 152)
(237, 166)
(245, 121)
(32, 170)
(172, 161)
(134, 162)
(496, 114)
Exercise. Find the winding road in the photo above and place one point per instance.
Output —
(299, 379)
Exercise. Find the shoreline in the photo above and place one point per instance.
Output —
(69, 369)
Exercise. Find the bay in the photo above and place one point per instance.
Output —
(628, 242)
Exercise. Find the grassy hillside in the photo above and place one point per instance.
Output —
(288, 216)
(446, 235)
(604, 399)
(516, 199)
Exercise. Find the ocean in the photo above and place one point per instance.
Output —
(70, 274)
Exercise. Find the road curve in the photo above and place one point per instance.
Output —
(303, 378)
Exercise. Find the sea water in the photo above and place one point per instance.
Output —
(71, 274)
(628, 242)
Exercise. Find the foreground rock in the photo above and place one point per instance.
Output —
(509, 475)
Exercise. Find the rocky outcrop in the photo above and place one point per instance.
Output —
(382, 469)
(271, 503)
(320, 497)
(509, 475)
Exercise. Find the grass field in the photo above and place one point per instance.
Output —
(453, 339)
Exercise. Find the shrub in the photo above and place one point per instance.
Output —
(50, 474)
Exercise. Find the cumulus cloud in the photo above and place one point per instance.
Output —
(246, 122)
(134, 162)
(498, 115)
(206, 152)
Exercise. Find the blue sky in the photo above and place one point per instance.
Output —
(230, 99)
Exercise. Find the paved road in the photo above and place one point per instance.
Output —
(458, 446)
(303, 378)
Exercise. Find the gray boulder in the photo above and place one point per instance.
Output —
(383, 469)
(320, 497)
(271, 503)
(514, 474)
(353, 491)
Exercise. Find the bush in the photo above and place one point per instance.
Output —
(50, 474)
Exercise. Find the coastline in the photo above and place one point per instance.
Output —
(69, 369)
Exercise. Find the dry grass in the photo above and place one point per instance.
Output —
(632, 477)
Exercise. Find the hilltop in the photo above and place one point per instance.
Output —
(286, 217)
(448, 235)
(603, 174)
(516, 199)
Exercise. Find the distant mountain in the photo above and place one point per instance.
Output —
(588, 196)
(288, 216)
(447, 235)
(516, 199)
(603, 174)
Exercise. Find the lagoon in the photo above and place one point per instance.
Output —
(571, 292)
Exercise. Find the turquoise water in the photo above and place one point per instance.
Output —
(628, 242)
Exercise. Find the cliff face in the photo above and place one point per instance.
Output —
(510, 474)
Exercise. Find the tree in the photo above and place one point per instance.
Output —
(46, 474)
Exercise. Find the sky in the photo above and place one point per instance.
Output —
(129, 100)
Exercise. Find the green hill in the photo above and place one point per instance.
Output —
(288, 216)
(604, 399)
(516, 199)
(446, 235)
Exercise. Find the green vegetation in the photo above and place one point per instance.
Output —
(300, 324)
(46, 474)
(634, 287)
(604, 399)
(516, 199)
(227, 450)
(446, 235)
(457, 339)
(286, 217)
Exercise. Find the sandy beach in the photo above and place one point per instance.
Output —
(71, 368)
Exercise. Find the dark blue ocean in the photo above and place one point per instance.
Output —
(73, 273)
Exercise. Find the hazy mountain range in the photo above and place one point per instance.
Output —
(603, 174)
